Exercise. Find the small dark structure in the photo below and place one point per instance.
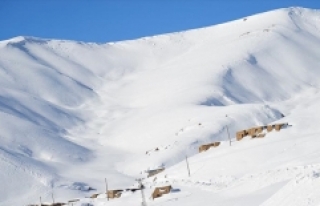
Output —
(53, 204)
(94, 195)
(259, 135)
(155, 171)
(73, 200)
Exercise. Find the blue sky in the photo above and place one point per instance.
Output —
(114, 20)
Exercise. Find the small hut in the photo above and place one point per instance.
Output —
(278, 127)
(94, 195)
(205, 147)
(114, 193)
(155, 171)
(270, 128)
(255, 130)
(241, 134)
(259, 129)
(159, 191)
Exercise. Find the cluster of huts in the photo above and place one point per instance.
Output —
(158, 192)
(111, 194)
(254, 132)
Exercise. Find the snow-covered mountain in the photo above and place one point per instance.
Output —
(74, 113)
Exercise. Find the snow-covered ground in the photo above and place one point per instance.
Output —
(74, 113)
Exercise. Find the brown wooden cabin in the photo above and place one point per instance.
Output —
(114, 193)
(255, 130)
(205, 147)
(241, 134)
(270, 128)
(159, 191)
(278, 127)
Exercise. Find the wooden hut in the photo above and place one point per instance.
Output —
(255, 130)
(214, 144)
(278, 126)
(270, 128)
(154, 172)
(114, 193)
(259, 129)
(94, 195)
(241, 134)
(205, 147)
(159, 191)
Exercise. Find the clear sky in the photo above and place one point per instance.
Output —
(114, 20)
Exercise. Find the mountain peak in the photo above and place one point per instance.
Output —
(23, 40)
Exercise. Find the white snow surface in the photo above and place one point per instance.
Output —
(74, 113)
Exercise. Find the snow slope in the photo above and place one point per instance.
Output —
(74, 113)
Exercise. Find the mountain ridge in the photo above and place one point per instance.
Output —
(73, 113)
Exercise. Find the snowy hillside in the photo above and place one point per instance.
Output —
(74, 113)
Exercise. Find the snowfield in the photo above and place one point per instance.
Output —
(74, 113)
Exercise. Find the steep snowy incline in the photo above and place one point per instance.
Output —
(44, 87)
(73, 113)
(263, 60)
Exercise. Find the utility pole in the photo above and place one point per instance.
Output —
(52, 197)
(105, 180)
(188, 165)
(40, 201)
(142, 193)
(228, 135)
